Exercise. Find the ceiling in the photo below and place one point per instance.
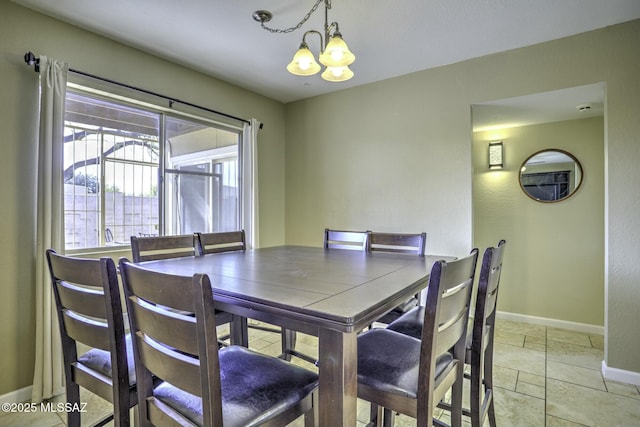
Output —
(565, 104)
(389, 37)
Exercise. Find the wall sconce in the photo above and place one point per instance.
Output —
(495, 155)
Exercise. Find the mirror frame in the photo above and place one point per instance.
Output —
(566, 153)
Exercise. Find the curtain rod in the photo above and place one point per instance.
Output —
(31, 59)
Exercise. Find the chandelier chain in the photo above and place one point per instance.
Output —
(300, 24)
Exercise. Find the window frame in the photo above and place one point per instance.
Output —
(153, 104)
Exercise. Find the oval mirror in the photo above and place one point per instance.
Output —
(550, 175)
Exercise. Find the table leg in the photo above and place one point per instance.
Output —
(338, 389)
(239, 331)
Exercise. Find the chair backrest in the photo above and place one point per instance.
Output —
(406, 243)
(162, 247)
(343, 239)
(445, 323)
(226, 241)
(180, 349)
(487, 296)
(90, 312)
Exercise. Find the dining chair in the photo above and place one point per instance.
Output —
(407, 375)
(404, 243)
(232, 241)
(202, 385)
(89, 312)
(343, 239)
(162, 247)
(480, 336)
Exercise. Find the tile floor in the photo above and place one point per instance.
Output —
(544, 376)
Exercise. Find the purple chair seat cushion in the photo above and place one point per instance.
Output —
(389, 361)
(255, 388)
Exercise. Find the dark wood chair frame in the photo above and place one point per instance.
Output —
(182, 350)
(447, 314)
(480, 355)
(89, 311)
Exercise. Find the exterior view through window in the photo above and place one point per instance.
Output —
(132, 171)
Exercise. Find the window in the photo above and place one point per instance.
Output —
(130, 170)
(547, 186)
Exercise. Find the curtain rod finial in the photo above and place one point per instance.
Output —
(31, 59)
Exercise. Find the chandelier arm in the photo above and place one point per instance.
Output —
(327, 31)
(301, 23)
(304, 37)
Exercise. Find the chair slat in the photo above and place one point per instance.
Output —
(162, 247)
(450, 334)
(344, 239)
(172, 366)
(77, 270)
(86, 300)
(210, 243)
(163, 289)
(87, 331)
(98, 383)
(408, 243)
(453, 303)
(175, 329)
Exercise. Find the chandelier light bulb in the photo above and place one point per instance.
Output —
(337, 74)
(337, 53)
(303, 63)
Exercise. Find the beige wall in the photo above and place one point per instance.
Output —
(381, 157)
(396, 155)
(22, 30)
(554, 265)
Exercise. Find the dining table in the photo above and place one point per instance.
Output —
(332, 294)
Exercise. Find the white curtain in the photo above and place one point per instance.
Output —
(250, 182)
(48, 377)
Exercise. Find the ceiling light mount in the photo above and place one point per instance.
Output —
(262, 16)
(334, 52)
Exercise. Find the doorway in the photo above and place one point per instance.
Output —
(554, 269)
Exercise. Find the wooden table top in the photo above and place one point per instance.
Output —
(331, 288)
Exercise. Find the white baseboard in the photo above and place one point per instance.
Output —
(620, 375)
(555, 323)
(17, 396)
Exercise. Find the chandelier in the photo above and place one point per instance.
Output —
(334, 52)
